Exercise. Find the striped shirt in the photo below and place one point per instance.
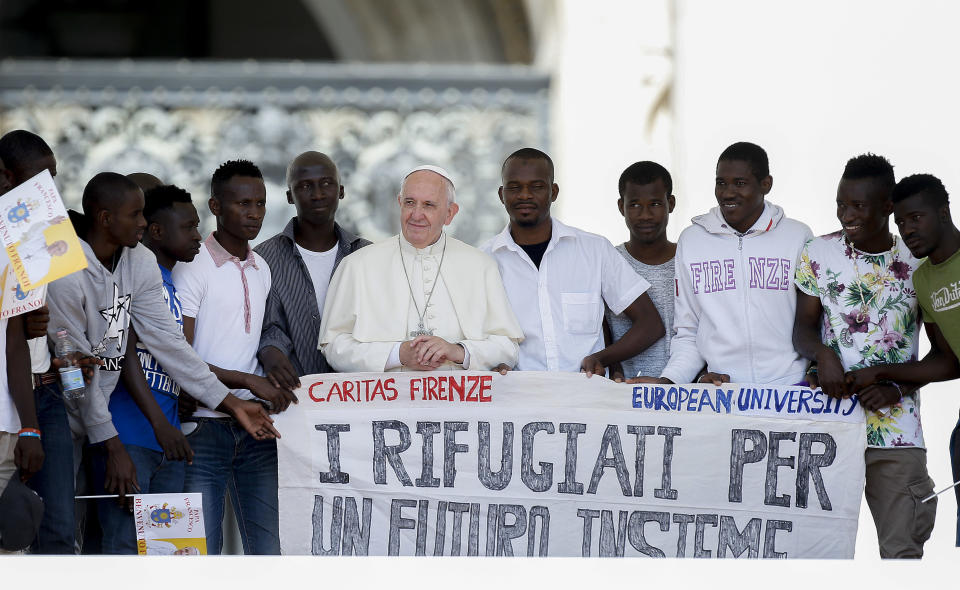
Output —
(292, 320)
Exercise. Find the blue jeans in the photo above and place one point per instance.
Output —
(55, 481)
(955, 464)
(155, 475)
(227, 459)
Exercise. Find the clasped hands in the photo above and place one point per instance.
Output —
(425, 353)
(867, 384)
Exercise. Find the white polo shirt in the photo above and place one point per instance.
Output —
(560, 306)
(227, 296)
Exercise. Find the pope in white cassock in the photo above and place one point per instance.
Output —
(420, 300)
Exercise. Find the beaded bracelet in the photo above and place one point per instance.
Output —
(29, 433)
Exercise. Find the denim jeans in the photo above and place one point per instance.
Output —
(55, 481)
(155, 475)
(955, 464)
(228, 460)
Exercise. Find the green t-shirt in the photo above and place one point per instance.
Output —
(938, 291)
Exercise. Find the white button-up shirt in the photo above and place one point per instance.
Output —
(560, 306)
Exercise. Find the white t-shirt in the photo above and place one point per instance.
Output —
(320, 268)
(214, 295)
(39, 354)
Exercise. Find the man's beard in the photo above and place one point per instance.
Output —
(527, 222)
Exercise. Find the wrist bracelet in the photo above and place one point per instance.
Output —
(29, 433)
(897, 385)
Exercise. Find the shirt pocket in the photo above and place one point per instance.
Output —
(581, 313)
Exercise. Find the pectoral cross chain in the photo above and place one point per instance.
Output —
(421, 330)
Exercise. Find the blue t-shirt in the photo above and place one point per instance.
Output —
(132, 426)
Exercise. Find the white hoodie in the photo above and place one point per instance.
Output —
(736, 300)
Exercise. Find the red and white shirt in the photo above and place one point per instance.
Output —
(227, 297)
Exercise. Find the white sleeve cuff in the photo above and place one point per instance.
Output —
(393, 361)
(466, 355)
(677, 375)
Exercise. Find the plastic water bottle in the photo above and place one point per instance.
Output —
(71, 376)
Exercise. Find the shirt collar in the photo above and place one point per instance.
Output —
(852, 251)
(433, 249)
(166, 274)
(764, 223)
(289, 229)
(221, 256)
(558, 231)
(344, 238)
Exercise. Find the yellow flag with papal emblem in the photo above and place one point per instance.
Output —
(169, 524)
(37, 234)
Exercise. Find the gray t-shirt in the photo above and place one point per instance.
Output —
(662, 279)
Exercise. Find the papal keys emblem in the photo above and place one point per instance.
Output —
(164, 515)
(19, 212)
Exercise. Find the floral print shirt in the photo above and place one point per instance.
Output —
(870, 317)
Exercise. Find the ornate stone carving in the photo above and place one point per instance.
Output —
(375, 129)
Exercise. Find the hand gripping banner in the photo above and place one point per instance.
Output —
(558, 464)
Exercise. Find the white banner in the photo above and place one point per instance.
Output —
(538, 464)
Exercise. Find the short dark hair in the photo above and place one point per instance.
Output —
(161, 198)
(529, 153)
(228, 170)
(870, 166)
(751, 153)
(145, 180)
(928, 184)
(21, 146)
(644, 173)
(104, 190)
